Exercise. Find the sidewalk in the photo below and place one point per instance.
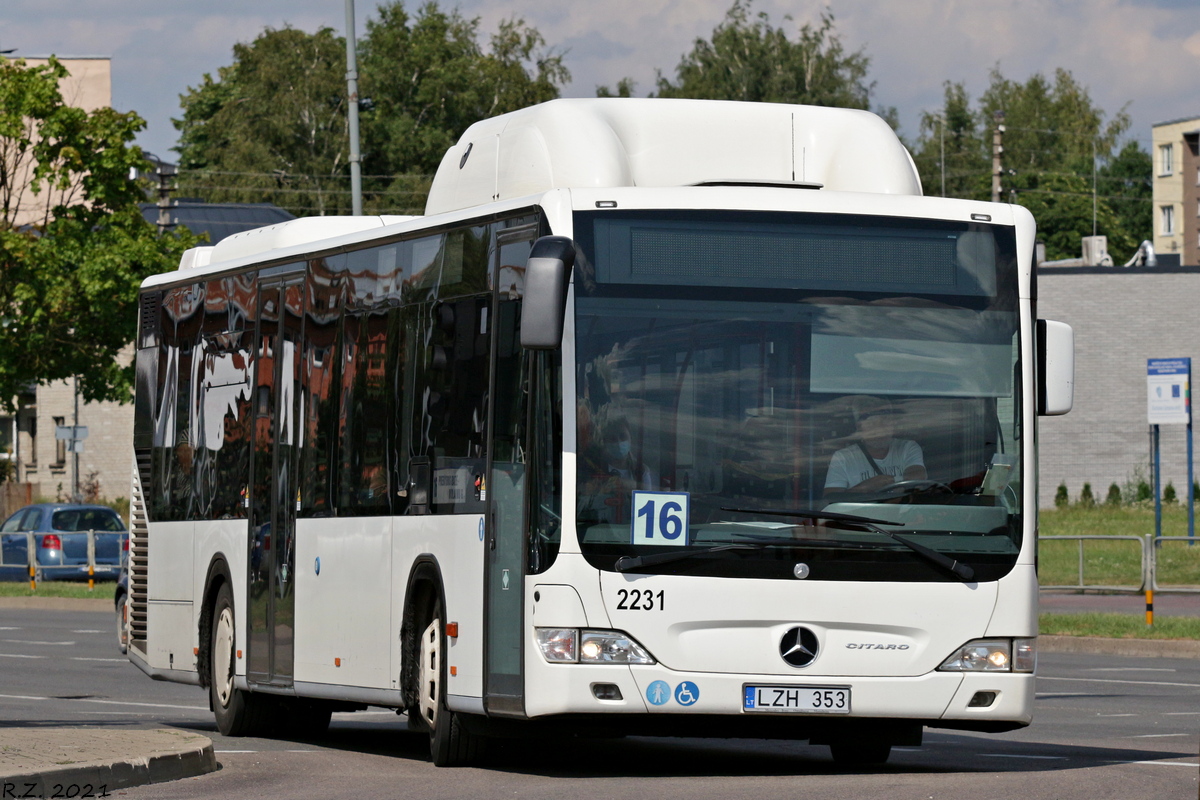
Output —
(1165, 604)
(65, 762)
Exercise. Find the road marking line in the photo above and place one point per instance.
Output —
(10, 629)
(1063, 694)
(1181, 713)
(1158, 763)
(1116, 715)
(235, 751)
(1010, 755)
(1111, 680)
(143, 705)
(84, 658)
(104, 702)
(89, 631)
(14, 655)
(22, 641)
(1130, 669)
(1157, 735)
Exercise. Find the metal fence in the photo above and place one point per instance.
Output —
(20, 551)
(1164, 563)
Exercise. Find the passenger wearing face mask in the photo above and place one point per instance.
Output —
(619, 458)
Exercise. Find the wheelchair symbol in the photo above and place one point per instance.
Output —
(687, 693)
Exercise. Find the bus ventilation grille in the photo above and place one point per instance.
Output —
(148, 324)
(138, 552)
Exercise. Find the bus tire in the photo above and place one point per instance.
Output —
(238, 712)
(867, 753)
(122, 614)
(450, 743)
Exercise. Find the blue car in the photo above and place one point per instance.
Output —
(60, 534)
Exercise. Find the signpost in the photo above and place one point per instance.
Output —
(1169, 402)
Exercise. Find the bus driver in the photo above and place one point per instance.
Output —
(877, 459)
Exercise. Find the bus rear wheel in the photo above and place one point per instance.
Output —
(238, 712)
(450, 743)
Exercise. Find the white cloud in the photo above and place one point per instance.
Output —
(1145, 53)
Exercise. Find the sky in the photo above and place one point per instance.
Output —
(1141, 55)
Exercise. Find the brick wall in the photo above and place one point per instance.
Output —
(1121, 318)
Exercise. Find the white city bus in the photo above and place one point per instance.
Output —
(670, 417)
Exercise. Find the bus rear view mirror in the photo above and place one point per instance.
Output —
(547, 275)
(1055, 367)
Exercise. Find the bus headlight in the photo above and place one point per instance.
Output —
(571, 646)
(993, 655)
(611, 647)
(558, 645)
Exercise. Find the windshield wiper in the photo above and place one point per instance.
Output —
(958, 568)
(626, 563)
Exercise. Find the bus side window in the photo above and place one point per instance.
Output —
(323, 308)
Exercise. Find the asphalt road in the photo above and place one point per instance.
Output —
(1104, 727)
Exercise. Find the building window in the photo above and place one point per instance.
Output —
(1166, 159)
(60, 446)
(1168, 220)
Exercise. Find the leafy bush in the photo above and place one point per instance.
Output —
(1113, 498)
(1086, 498)
(1169, 497)
(1061, 498)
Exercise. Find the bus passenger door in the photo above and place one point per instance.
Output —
(504, 685)
(271, 597)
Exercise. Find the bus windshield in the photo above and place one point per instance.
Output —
(731, 366)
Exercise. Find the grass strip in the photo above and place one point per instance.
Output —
(57, 589)
(1119, 626)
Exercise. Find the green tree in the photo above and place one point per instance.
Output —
(750, 59)
(426, 79)
(272, 127)
(1127, 186)
(1059, 150)
(951, 150)
(73, 244)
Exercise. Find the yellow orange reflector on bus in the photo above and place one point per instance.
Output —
(195, 651)
(239, 653)
(337, 662)
(452, 630)
(453, 671)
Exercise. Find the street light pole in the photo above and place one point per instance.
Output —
(352, 93)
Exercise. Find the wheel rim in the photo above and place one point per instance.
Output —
(223, 657)
(431, 672)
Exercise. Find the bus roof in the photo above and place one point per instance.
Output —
(611, 142)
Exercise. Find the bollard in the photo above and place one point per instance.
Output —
(1149, 606)
(91, 551)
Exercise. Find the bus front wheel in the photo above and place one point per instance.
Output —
(450, 743)
(238, 712)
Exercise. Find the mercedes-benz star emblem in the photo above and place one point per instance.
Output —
(798, 647)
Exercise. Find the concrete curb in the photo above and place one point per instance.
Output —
(1095, 645)
(174, 755)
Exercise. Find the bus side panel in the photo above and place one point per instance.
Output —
(169, 596)
(345, 617)
(225, 538)
(456, 541)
